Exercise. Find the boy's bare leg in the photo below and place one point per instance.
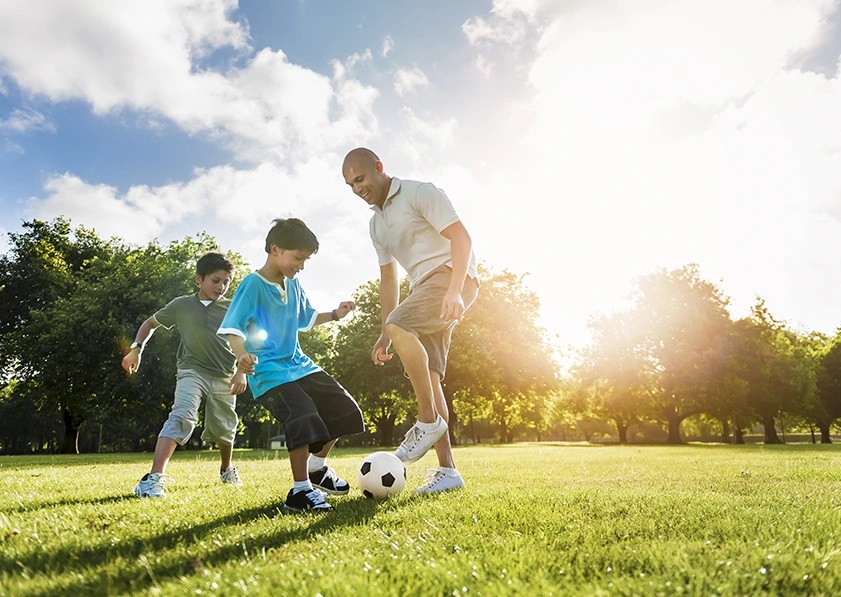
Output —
(442, 447)
(298, 461)
(416, 362)
(164, 449)
(226, 453)
(326, 449)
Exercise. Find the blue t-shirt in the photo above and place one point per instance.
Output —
(268, 317)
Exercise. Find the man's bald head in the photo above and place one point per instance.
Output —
(360, 155)
(363, 172)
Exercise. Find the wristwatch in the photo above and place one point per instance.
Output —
(136, 345)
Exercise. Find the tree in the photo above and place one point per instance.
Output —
(70, 304)
(829, 388)
(501, 361)
(775, 365)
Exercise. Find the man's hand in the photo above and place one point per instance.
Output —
(380, 355)
(452, 307)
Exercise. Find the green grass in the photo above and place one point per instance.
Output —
(535, 519)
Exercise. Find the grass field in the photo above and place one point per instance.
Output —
(535, 519)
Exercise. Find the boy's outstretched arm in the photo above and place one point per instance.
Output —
(336, 314)
(131, 362)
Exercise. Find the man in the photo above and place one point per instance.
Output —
(414, 224)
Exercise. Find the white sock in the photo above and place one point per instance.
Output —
(427, 426)
(301, 486)
(450, 472)
(316, 463)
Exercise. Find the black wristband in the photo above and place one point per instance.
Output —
(335, 315)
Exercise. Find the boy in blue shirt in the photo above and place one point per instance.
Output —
(261, 325)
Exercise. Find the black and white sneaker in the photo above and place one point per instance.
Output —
(303, 501)
(327, 480)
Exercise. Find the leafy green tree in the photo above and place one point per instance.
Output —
(501, 362)
(829, 388)
(612, 374)
(662, 356)
(71, 303)
(775, 364)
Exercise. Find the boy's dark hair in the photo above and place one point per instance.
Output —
(213, 262)
(291, 235)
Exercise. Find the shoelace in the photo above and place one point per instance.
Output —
(413, 435)
(316, 497)
(162, 479)
(433, 476)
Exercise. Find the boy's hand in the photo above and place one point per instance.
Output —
(344, 308)
(238, 383)
(245, 364)
(131, 362)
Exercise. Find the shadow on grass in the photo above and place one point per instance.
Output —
(33, 507)
(142, 577)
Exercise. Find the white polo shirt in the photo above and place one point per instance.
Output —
(408, 229)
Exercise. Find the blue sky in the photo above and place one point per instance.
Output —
(582, 142)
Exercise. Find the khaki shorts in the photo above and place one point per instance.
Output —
(220, 415)
(420, 314)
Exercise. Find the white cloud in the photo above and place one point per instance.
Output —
(409, 80)
(142, 56)
(388, 46)
(677, 134)
(22, 121)
(484, 66)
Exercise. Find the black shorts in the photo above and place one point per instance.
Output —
(313, 411)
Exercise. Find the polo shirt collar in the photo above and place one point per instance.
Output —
(392, 192)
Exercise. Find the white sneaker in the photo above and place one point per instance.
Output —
(152, 485)
(230, 476)
(439, 481)
(417, 442)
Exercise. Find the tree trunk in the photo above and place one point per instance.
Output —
(622, 431)
(725, 430)
(70, 443)
(453, 422)
(771, 436)
(825, 438)
(385, 430)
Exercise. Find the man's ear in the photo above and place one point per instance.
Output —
(379, 167)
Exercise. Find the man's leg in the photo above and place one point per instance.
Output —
(442, 447)
(416, 362)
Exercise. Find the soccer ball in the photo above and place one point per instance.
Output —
(380, 475)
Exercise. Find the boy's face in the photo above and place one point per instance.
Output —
(214, 285)
(289, 261)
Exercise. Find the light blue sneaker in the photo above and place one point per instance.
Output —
(152, 485)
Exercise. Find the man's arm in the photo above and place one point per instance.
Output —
(389, 298)
(461, 246)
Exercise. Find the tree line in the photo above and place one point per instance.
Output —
(70, 303)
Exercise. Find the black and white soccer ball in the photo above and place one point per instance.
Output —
(380, 475)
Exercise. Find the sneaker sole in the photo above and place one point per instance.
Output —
(305, 510)
(332, 491)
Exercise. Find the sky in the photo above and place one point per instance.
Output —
(583, 143)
